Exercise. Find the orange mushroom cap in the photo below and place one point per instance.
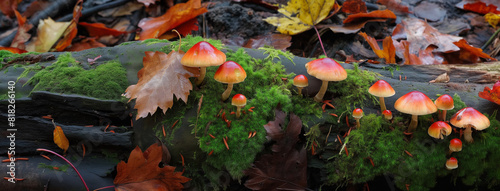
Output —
(357, 113)
(300, 81)
(239, 100)
(444, 102)
(230, 72)
(415, 103)
(452, 163)
(437, 129)
(470, 116)
(455, 145)
(387, 114)
(381, 89)
(326, 69)
(203, 54)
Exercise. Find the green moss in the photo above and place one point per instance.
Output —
(154, 41)
(106, 81)
(275, 54)
(189, 41)
(62, 168)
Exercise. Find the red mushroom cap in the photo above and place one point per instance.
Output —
(444, 102)
(326, 69)
(452, 163)
(357, 113)
(470, 116)
(438, 129)
(300, 81)
(455, 145)
(239, 100)
(203, 54)
(381, 89)
(415, 103)
(230, 72)
(387, 114)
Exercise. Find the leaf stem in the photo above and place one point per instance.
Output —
(321, 42)
(491, 39)
(79, 175)
(180, 39)
(102, 188)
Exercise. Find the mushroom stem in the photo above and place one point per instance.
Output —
(382, 104)
(468, 134)
(319, 96)
(200, 78)
(300, 90)
(442, 115)
(238, 111)
(358, 125)
(226, 93)
(413, 124)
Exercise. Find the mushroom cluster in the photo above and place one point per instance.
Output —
(229, 73)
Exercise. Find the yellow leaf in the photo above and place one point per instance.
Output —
(492, 19)
(49, 32)
(301, 15)
(60, 139)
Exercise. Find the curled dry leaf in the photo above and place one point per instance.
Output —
(60, 139)
(389, 51)
(278, 41)
(22, 35)
(84, 44)
(443, 78)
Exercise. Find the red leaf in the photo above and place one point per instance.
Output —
(395, 5)
(354, 6)
(70, 32)
(13, 50)
(141, 172)
(175, 16)
(183, 29)
(471, 54)
(480, 6)
(8, 7)
(99, 29)
(491, 94)
(385, 14)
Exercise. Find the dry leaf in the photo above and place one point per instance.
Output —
(360, 17)
(480, 6)
(492, 95)
(470, 54)
(99, 29)
(22, 35)
(8, 7)
(443, 78)
(175, 16)
(48, 33)
(278, 41)
(395, 5)
(301, 15)
(423, 57)
(13, 50)
(388, 52)
(162, 77)
(71, 31)
(123, 10)
(141, 172)
(353, 27)
(183, 29)
(60, 139)
(492, 19)
(85, 44)
(354, 6)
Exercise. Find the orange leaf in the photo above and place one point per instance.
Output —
(22, 35)
(162, 77)
(395, 5)
(389, 51)
(480, 6)
(8, 7)
(354, 6)
(183, 29)
(424, 57)
(385, 14)
(99, 29)
(60, 139)
(175, 16)
(70, 32)
(471, 54)
(13, 50)
(85, 44)
(491, 94)
(141, 172)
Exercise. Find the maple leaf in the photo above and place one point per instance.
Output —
(141, 172)
(286, 167)
(175, 16)
(99, 29)
(162, 77)
(60, 139)
(301, 15)
(388, 52)
(492, 95)
(480, 6)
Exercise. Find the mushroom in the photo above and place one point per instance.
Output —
(202, 55)
(381, 89)
(325, 69)
(301, 82)
(469, 118)
(444, 102)
(357, 114)
(230, 73)
(438, 129)
(452, 163)
(455, 145)
(387, 114)
(415, 103)
(239, 100)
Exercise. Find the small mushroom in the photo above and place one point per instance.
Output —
(438, 129)
(230, 73)
(325, 69)
(239, 100)
(415, 103)
(444, 102)
(451, 163)
(381, 89)
(469, 118)
(203, 55)
(387, 114)
(357, 114)
(300, 81)
(455, 145)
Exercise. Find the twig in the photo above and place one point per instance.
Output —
(490, 40)
(326, 139)
(343, 146)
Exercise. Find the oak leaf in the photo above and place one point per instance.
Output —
(162, 77)
(99, 29)
(60, 139)
(388, 52)
(285, 168)
(175, 16)
(141, 172)
(301, 15)
(480, 6)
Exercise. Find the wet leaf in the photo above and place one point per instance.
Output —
(60, 139)
(175, 16)
(354, 6)
(162, 77)
(301, 15)
(141, 172)
(183, 29)
(395, 5)
(99, 29)
(480, 6)
(492, 95)
(388, 52)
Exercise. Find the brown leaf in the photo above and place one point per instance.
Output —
(13, 50)
(395, 5)
(471, 54)
(423, 57)
(141, 172)
(360, 17)
(85, 44)
(443, 78)
(162, 77)
(99, 29)
(60, 139)
(175, 16)
(48, 32)
(183, 29)
(22, 35)
(286, 167)
(353, 27)
(8, 7)
(354, 6)
(278, 41)
(480, 6)
(388, 52)
(71, 31)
